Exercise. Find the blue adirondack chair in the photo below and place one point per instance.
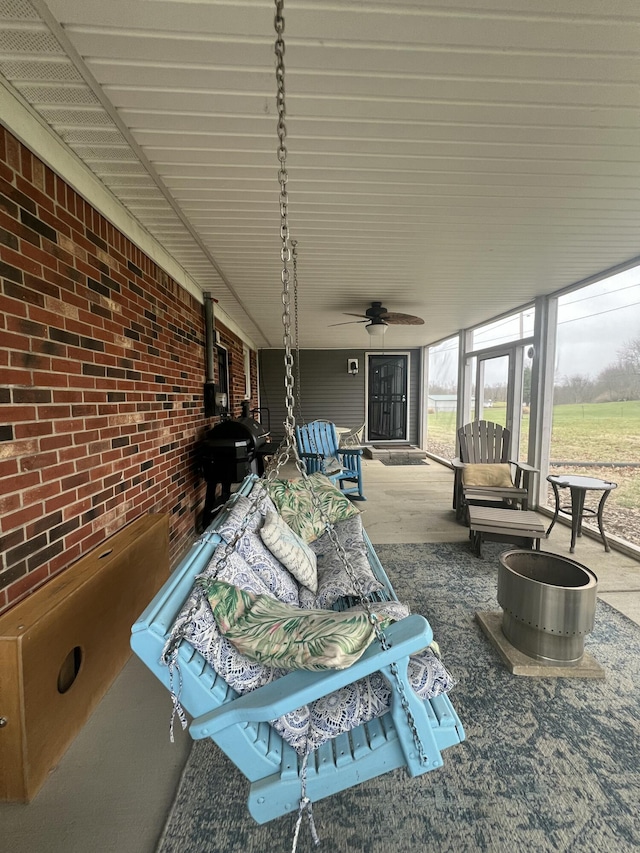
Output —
(319, 448)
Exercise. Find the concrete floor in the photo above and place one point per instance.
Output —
(113, 788)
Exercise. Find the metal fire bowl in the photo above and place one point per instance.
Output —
(548, 604)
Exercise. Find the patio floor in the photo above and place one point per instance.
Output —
(114, 786)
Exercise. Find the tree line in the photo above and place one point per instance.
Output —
(618, 381)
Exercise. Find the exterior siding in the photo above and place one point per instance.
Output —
(415, 385)
(328, 390)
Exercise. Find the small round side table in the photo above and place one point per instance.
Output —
(579, 486)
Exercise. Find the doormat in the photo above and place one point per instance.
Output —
(391, 445)
(403, 460)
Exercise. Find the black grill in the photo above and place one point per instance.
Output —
(228, 452)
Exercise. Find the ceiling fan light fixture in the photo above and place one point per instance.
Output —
(377, 330)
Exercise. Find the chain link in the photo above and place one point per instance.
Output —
(294, 254)
(289, 446)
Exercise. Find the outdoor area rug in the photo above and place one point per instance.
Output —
(548, 764)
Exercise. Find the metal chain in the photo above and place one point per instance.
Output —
(289, 445)
(294, 253)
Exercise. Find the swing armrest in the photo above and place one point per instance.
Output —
(350, 451)
(524, 466)
(298, 688)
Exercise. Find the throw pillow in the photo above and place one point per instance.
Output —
(487, 474)
(287, 547)
(252, 549)
(286, 637)
(227, 526)
(294, 503)
(333, 580)
(236, 571)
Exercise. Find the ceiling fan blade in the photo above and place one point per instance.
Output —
(395, 319)
(350, 322)
(349, 314)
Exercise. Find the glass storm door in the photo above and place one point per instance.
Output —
(493, 400)
(387, 409)
(500, 391)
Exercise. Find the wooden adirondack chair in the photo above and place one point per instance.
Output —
(487, 442)
(318, 446)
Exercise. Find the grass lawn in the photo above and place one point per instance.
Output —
(597, 432)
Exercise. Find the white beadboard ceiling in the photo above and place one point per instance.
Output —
(451, 160)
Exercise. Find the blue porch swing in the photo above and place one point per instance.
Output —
(411, 733)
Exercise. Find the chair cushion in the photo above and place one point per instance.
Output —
(294, 503)
(370, 697)
(277, 634)
(487, 474)
(330, 465)
(287, 547)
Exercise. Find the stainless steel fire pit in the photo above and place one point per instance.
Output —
(548, 604)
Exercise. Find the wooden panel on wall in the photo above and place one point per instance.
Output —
(61, 648)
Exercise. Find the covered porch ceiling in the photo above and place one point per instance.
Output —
(451, 161)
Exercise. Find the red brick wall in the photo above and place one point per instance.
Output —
(101, 374)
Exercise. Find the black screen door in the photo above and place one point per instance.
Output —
(387, 410)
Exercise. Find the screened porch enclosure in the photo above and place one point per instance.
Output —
(563, 374)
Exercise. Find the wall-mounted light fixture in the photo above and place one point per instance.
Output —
(352, 366)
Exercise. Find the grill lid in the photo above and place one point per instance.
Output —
(240, 429)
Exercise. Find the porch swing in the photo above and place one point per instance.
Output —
(257, 721)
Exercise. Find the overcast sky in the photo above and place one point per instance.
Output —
(594, 323)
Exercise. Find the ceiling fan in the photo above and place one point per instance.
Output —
(378, 318)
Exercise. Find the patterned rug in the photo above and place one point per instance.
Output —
(548, 765)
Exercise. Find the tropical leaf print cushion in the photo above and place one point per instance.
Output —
(244, 675)
(295, 504)
(287, 637)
